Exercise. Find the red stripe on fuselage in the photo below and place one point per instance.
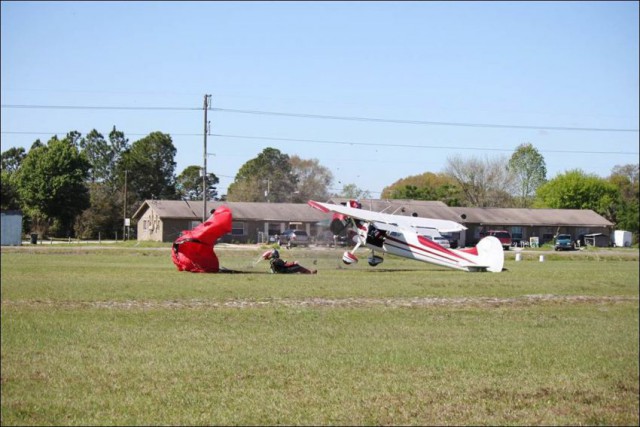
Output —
(430, 249)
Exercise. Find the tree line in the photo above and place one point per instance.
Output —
(520, 182)
(84, 186)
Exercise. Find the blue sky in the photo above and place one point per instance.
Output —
(372, 81)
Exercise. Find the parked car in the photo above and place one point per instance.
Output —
(564, 242)
(503, 235)
(327, 238)
(453, 242)
(295, 238)
(442, 241)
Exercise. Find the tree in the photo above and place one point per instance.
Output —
(119, 144)
(577, 190)
(9, 198)
(105, 214)
(11, 161)
(37, 143)
(12, 158)
(314, 180)
(483, 183)
(51, 184)
(104, 155)
(104, 217)
(529, 170)
(189, 184)
(352, 191)
(268, 177)
(74, 138)
(148, 167)
(427, 186)
(625, 178)
(95, 149)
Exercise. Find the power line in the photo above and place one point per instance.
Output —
(414, 146)
(64, 133)
(327, 117)
(94, 107)
(370, 144)
(423, 122)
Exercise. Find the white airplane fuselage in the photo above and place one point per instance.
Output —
(417, 247)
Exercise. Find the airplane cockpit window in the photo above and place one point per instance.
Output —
(375, 237)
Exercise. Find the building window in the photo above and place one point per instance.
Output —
(516, 233)
(274, 228)
(238, 229)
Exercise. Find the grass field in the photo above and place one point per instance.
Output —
(117, 336)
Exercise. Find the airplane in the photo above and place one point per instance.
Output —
(410, 237)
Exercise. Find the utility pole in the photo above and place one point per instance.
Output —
(266, 193)
(207, 103)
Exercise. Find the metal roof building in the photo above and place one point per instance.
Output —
(163, 220)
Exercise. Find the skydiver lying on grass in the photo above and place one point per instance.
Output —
(278, 265)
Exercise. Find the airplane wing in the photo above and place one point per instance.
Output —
(387, 227)
(442, 225)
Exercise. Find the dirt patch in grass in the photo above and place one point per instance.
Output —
(479, 302)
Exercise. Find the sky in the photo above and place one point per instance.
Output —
(375, 91)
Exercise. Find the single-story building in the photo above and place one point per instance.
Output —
(163, 220)
(11, 228)
(523, 224)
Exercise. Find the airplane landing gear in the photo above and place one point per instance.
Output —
(375, 260)
(349, 258)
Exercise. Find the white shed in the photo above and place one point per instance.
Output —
(11, 228)
(621, 238)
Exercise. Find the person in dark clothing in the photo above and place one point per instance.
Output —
(278, 265)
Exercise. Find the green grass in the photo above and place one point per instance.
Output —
(120, 337)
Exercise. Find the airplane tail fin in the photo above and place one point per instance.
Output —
(491, 253)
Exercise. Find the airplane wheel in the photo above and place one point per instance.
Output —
(375, 260)
(349, 258)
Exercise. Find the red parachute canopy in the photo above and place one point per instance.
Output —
(193, 250)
